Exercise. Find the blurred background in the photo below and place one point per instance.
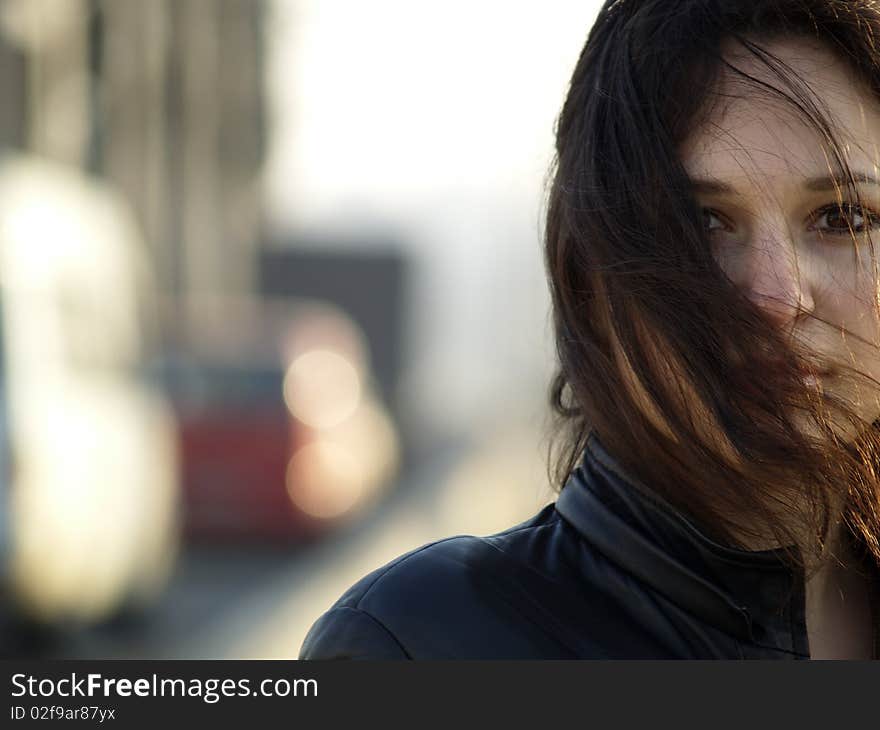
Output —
(272, 305)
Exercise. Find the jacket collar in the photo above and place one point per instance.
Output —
(754, 596)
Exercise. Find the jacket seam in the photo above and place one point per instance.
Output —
(555, 517)
(489, 541)
(400, 561)
(485, 539)
(384, 628)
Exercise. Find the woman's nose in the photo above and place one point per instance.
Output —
(777, 279)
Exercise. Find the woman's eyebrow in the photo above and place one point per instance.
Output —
(710, 186)
(834, 182)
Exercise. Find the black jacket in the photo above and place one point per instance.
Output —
(608, 571)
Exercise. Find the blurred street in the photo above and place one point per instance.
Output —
(230, 602)
(273, 307)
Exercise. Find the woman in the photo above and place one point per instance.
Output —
(715, 292)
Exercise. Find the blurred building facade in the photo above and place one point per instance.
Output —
(165, 100)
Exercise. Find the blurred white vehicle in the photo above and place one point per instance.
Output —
(89, 477)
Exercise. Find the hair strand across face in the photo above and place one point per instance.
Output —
(691, 385)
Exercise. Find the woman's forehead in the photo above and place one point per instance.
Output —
(749, 132)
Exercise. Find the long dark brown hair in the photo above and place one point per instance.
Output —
(642, 312)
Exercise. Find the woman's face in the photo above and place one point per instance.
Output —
(778, 228)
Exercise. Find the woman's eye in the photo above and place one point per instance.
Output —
(845, 218)
(712, 222)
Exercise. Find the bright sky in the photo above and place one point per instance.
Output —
(432, 121)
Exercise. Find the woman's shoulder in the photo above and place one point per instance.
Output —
(449, 598)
